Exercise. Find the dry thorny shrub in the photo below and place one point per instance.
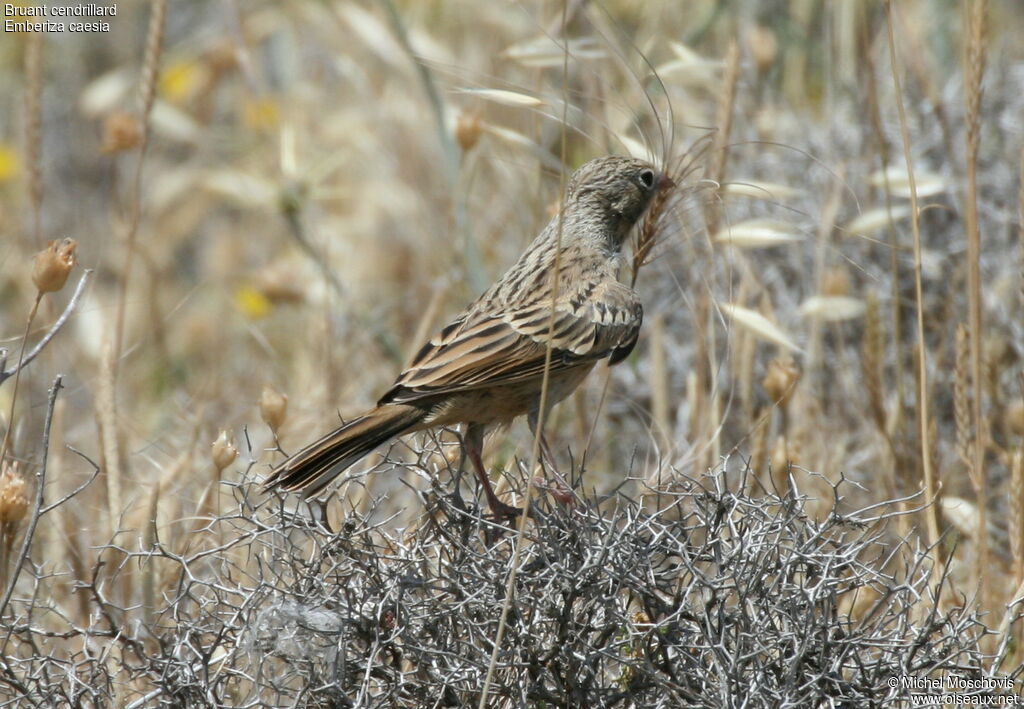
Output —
(304, 222)
(726, 596)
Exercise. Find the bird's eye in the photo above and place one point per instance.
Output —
(646, 178)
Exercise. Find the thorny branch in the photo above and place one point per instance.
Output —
(719, 598)
(37, 507)
(64, 316)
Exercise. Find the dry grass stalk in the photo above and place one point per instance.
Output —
(720, 148)
(660, 384)
(930, 484)
(147, 95)
(961, 400)
(744, 363)
(780, 462)
(694, 405)
(714, 414)
(106, 406)
(1016, 505)
(872, 353)
(524, 516)
(872, 359)
(106, 419)
(698, 384)
(826, 224)
(974, 70)
(34, 130)
(76, 553)
(759, 442)
(17, 379)
(884, 153)
(149, 540)
(1016, 508)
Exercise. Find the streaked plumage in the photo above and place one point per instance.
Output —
(486, 367)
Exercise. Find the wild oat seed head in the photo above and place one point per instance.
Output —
(52, 265)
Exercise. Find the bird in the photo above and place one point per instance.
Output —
(487, 366)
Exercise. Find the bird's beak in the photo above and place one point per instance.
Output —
(665, 182)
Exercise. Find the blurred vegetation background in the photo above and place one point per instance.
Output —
(287, 198)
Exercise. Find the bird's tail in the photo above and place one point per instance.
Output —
(316, 465)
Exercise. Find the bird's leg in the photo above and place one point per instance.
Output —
(547, 458)
(560, 490)
(456, 495)
(474, 444)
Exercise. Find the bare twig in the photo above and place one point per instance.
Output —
(68, 309)
(37, 507)
(74, 493)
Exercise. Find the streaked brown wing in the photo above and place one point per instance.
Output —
(487, 349)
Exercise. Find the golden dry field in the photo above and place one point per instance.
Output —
(274, 204)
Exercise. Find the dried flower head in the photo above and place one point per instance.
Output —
(835, 281)
(1015, 416)
(53, 264)
(763, 46)
(121, 131)
(997, 351)
(273, 407)
(468, 130)
(222, 57)
(780, 380)
(223, 451)
(13, 500)
(280, 284)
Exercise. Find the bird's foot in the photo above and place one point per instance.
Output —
(558, 489)
(503, 512)
(455, 500)
(501, 518)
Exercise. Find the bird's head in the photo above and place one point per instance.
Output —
(615, 190)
